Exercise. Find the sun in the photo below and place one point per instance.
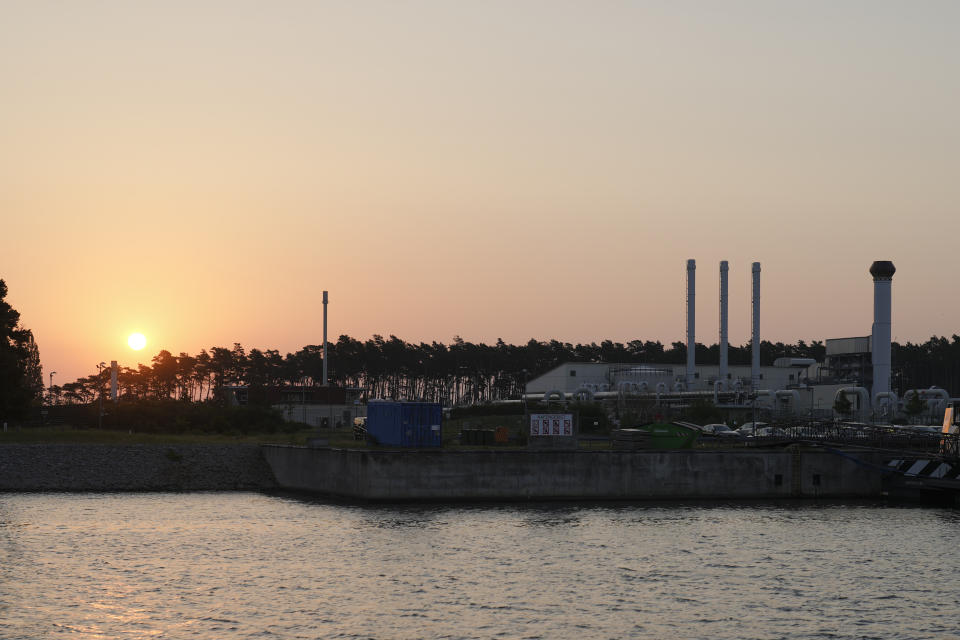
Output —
(137, 341)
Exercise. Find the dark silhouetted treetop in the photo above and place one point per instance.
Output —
(21, 380)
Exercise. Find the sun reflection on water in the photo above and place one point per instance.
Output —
(249, 565)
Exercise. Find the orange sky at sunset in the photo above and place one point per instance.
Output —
(200, 172)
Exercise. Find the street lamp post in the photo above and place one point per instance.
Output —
(523, 392)
(51, 386)
(303, 399)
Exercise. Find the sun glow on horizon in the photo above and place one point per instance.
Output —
(137, 341)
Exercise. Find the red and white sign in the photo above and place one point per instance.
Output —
(551, 424)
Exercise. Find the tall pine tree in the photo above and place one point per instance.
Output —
(21, 380)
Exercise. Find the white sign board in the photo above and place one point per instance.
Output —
(551, 424)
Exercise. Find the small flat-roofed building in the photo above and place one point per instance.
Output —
(317, 406)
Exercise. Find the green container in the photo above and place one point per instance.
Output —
(666, 435)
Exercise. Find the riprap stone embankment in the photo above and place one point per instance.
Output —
(134, 467)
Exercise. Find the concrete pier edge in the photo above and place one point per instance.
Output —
(522, 475)
(443, 475)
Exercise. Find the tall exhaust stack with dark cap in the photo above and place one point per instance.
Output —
(691, 325)
(882, 272)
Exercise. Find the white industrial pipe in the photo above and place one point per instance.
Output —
(717, 386)
(632, 387)
(583, 394)
(861, 393)
(691, 325)
(724, 268)
(935, 397)
(755, 341)
(936, 405)
(549, 395)
(765, 393)
(789, 396)
(883, 399)
(599, 395)
(324, 338)
(882, 272)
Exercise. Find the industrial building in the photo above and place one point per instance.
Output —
(599, 377)
(788, 387)
(317, 406)
(848, 360)
(858, 368)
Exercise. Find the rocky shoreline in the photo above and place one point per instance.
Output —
(137, 467)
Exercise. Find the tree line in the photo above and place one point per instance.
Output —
(458, 373)
(925, 364)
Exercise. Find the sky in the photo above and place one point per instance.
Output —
(201, 171)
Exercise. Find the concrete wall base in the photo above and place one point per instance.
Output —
(400, 475)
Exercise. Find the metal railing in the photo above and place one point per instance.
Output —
(902, 439)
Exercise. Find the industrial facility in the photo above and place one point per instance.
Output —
(855, 374)
(857, 369)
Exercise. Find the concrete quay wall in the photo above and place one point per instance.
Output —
(543, 475)
(146, 467)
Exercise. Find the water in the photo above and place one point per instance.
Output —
(239, 565)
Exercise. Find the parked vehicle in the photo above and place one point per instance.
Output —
(748, 428)
(720, 431)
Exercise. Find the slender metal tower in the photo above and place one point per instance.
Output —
(724, 268)
(882, 272)
(691, 324)
(324, 338)
(755, 342)
(113, 380)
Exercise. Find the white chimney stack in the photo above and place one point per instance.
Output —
(755, 342)
(882, 272)
(324, 338)
(691, 325)
(723, 323)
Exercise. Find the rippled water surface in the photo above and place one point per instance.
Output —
(240, 565)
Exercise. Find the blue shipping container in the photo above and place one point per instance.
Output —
(405, 424)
